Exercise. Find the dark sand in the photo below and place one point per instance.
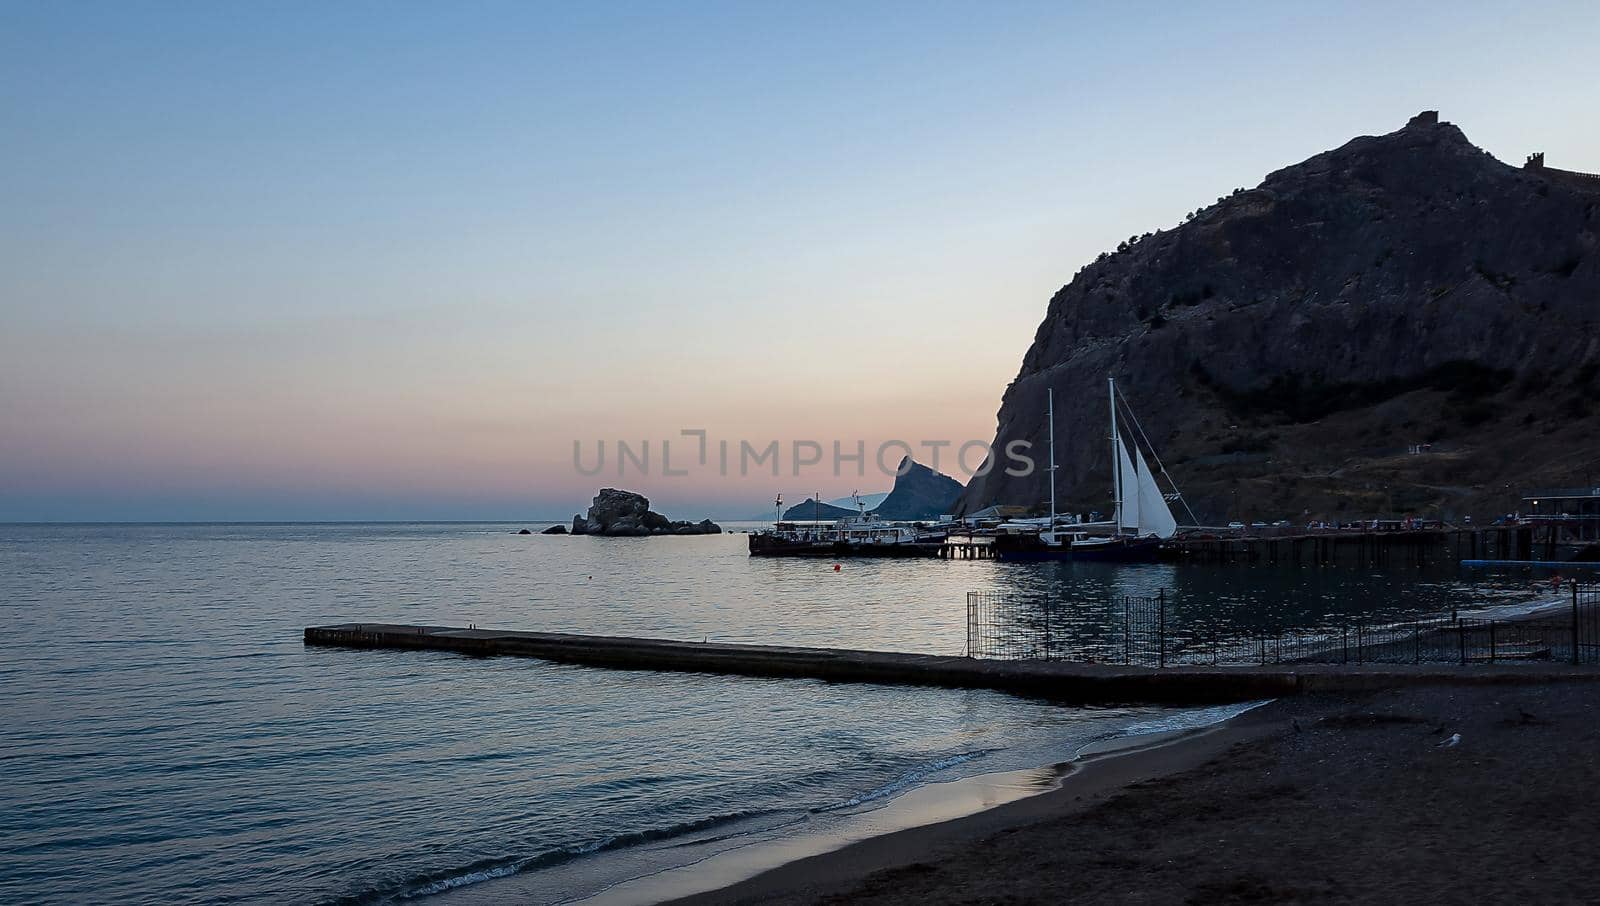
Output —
(1308, 800)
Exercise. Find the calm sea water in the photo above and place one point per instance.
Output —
(169, 739)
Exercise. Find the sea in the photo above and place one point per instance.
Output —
(168, 738)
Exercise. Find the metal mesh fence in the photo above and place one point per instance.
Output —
(1141, 631)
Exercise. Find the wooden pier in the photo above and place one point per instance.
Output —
(964, 548)
(1411, 547)
(1402, 547)
(1055, 680)
(1365, 548)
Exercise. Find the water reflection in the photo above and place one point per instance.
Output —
(1090, 611)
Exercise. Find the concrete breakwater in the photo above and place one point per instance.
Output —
(1056, 680)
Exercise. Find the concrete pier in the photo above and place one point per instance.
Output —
(1067, 682)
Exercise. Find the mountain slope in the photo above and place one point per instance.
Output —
(919, 493)
(868, 500)
(812, 509)
(1286, 346)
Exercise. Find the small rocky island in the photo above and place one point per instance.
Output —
(616, 512)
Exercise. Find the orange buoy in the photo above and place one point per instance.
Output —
(835, 567)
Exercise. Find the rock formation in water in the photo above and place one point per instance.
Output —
(1401, 325)
(919, 493)
(615, 512)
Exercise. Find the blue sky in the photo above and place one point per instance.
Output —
(390, 260)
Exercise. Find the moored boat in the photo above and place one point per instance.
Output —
(856, 537)
(1096, 548)
(1141, 519)
(845, 540)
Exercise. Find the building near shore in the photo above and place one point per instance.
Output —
(996, 512)
(1572, 513)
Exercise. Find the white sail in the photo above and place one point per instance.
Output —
(1154, 514)
(1128, 503)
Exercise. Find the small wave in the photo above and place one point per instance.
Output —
(907, 780)
(435, 883)
(472, 877)
(496, 755)
(1516, 609)
(617, 841)
(1191, 719)
(796, 818)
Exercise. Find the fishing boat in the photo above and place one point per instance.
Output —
(857, 536)
(1141, 518)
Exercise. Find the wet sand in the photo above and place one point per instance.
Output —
(952, 806)
(1348, 799)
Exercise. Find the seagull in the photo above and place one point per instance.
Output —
(1455, 739)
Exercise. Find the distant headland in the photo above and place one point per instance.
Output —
(919, 493)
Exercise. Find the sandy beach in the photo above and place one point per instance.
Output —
(1315, 799)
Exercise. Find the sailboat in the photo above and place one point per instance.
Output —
(1140, 521)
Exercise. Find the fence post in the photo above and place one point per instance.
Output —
(1346, 633)
(1491, 642)
(1461, 640)
(1127, 634)
(1574, 618)
(1161, 605)
(972, 605)
(1048, 642)
(1416, 642)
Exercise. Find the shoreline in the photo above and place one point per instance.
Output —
(1446, 793)
(1096, 773)
(936, 815)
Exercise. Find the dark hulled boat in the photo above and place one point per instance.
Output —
(1101, 549)
(847, 538)
(1140, 521)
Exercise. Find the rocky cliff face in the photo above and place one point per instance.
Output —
(1286, 347)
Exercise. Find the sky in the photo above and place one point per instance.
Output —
(311, 261)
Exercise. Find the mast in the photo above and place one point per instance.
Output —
(1116, 459)
(1052, 417)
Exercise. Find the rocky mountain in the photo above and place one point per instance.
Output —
(616, 512)
(1403, 324)
(812, 509)
(839, 507)
(919, 493)
(870, 500)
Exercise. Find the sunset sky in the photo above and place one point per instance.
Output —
(389, 261)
